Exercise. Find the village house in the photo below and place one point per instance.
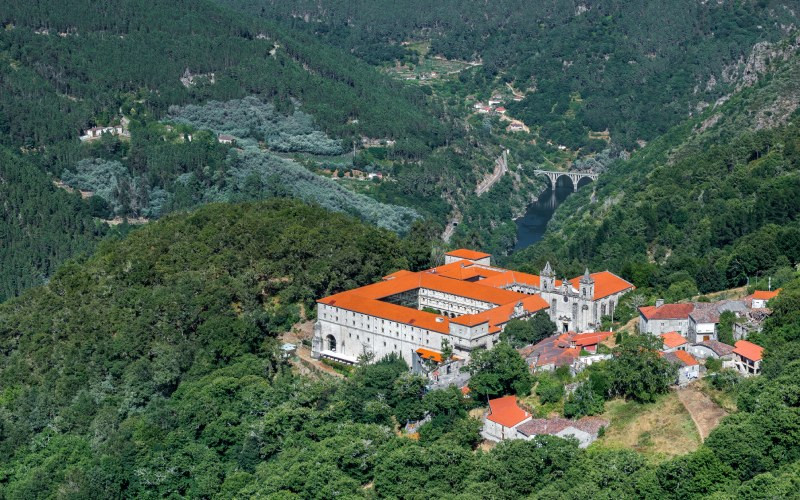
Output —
(747, 357)
(503, 418)
(97, 132)
(516, 126)
(759, 298)
(226, 139)
(703, 320)
(500, 110)
(663, 318)
(712, 349)
(506, 420)
(688, 367)
(466, 301)
(562, 350)
(585, 430)
(674, 341)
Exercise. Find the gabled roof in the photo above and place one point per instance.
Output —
(673, 339)
(553, 350)
(465, 253)
(589, 338)
(509, 278)
(748, 350)
(681, 357)
(719, 348)
(667, 311)
(766, 295)
(540, 426)
(392, 312)
(502, 314)
(605, 283)
(506, 412)
(430, 354)
(463, 270)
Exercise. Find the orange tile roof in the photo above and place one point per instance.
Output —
(392, 312)
(463, 270)
(605, 283)
(766, 295)
(397, 274)
(589, 338)
(687, 358)
(502, 314)
(506, 412)
(411, 281)
(465, 253)
(673, 339)
(748, 350)
(430, 354)
(667, 311)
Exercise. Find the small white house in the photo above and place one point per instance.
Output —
(503, 418)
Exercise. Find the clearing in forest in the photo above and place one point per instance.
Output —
(659, 430)
(705, 413)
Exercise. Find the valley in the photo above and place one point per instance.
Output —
(372, 249)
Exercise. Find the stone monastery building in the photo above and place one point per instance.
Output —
(473, 299)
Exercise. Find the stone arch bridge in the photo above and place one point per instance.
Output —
(574, 177)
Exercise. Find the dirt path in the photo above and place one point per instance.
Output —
(705, 413)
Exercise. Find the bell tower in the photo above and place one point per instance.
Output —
(547, 281)
(587, 286)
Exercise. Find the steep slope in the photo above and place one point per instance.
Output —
(633, 69)
(40, 227)
(177, 299)
(67, 66)
(707, 206)
(86, 62)
(151, 370)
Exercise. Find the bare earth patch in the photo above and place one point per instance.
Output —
(659, 430)
(705, 413)
(302, 361)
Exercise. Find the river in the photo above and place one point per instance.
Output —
(531, 226)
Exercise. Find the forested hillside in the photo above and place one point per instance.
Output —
(40, 227)
(634, 69)
(67, 66)
(705, 207)
(150, 370)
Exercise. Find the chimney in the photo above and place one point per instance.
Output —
(659, 302)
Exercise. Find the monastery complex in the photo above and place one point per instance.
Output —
(464, 303)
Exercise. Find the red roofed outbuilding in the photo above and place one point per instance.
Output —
(503, 417)
(747, 357)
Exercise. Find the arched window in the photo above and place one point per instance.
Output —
(602, 310)
(331, 343)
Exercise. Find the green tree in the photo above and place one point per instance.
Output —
(497, 372)
(637, 371)
(583, 401)
(520, 333)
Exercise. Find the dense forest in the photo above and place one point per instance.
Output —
(708, 206)
(41, 225)
(68, 66)
(151, 369)
(632, 69)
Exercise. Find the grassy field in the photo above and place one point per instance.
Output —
(659, 430)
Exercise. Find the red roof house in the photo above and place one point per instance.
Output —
(504, 415)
